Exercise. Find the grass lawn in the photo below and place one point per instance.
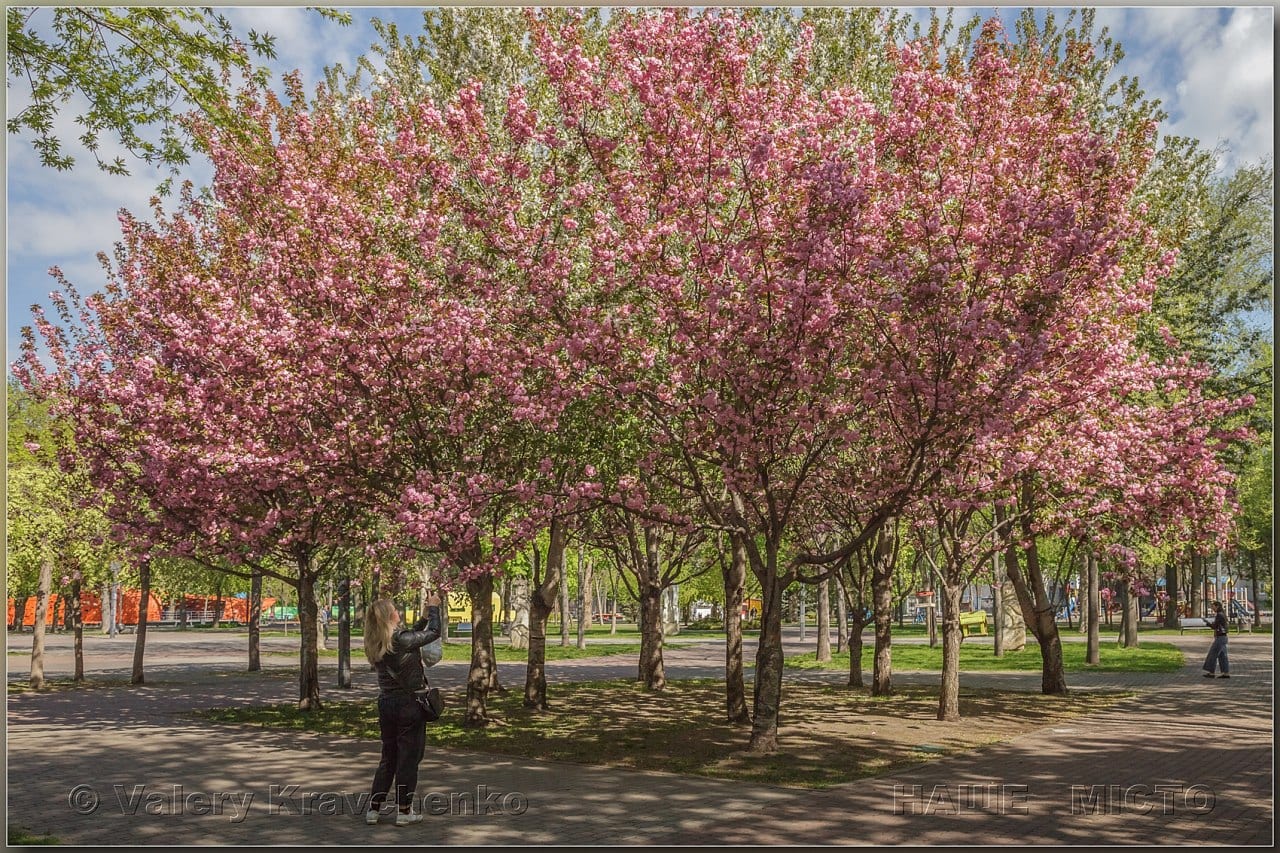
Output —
(1173, 632)
(829, 734)
(1149, 657)
(21, 837)
(555, 651)
(456, 650)
(66, 682)
(630, 630)
(625, 630)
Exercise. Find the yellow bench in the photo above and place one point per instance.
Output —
(974, 622)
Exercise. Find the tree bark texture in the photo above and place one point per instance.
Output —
(140, 638)
(735, 582)
(480, 676)
(42, 610)
(949, 698)
(824, 620)
(542, 600)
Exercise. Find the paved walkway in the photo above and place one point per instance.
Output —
(1187, 761)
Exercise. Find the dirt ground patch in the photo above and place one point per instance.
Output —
(828, 734)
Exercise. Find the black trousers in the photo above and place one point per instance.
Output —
(404, 740)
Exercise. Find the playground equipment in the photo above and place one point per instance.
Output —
(1239, 609)
(920, 604)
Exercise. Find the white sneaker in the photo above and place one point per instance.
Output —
(406, 818)
(371, 817)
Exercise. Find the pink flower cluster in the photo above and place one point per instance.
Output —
(457, 319)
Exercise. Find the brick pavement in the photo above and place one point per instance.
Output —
(1181, 731)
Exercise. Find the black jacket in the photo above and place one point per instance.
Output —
(1220, 624)
(405, 656)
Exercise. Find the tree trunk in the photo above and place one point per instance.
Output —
(1253, 588)
(42, 610)
(857, 622)
(564, 608)
(344, 633)
(613, 623)
(584, 609)
(949, 699)
(480, 675)
(217, 607)
(1171, 590)
(77, 627)
(842, 618)
(1082, 598)
(309, 666)
(506, 603)
(1122, 595)
(652, 670)
(535, 682)
(140, 637)
(108, 618)
(1091, 647)
(255, 621)
(20, 613)
(542, 600)
(1129, 598)
(997, 606)
(767, 697)
(800, 608)
(735, 581)
(1053, 677)
(931, 612)
(494, 685)
(1033, 601)
(882, 606)
(1196, 593)
(824, 620)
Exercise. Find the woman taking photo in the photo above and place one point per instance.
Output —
(396, 653)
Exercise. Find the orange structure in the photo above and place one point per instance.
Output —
(233, 609)
(90, 608)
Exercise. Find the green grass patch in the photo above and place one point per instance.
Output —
(64, 683)
(456, 650)
(829, 735)
(21, 837)
(1148, 657)
(1174, 632)
(294, 633)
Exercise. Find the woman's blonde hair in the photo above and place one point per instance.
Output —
(379, 628)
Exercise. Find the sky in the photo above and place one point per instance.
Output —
(1211, 67)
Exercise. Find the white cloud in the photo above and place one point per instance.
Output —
(305, 41)
(65, 218)
(1227, 87)
(1215, 79)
